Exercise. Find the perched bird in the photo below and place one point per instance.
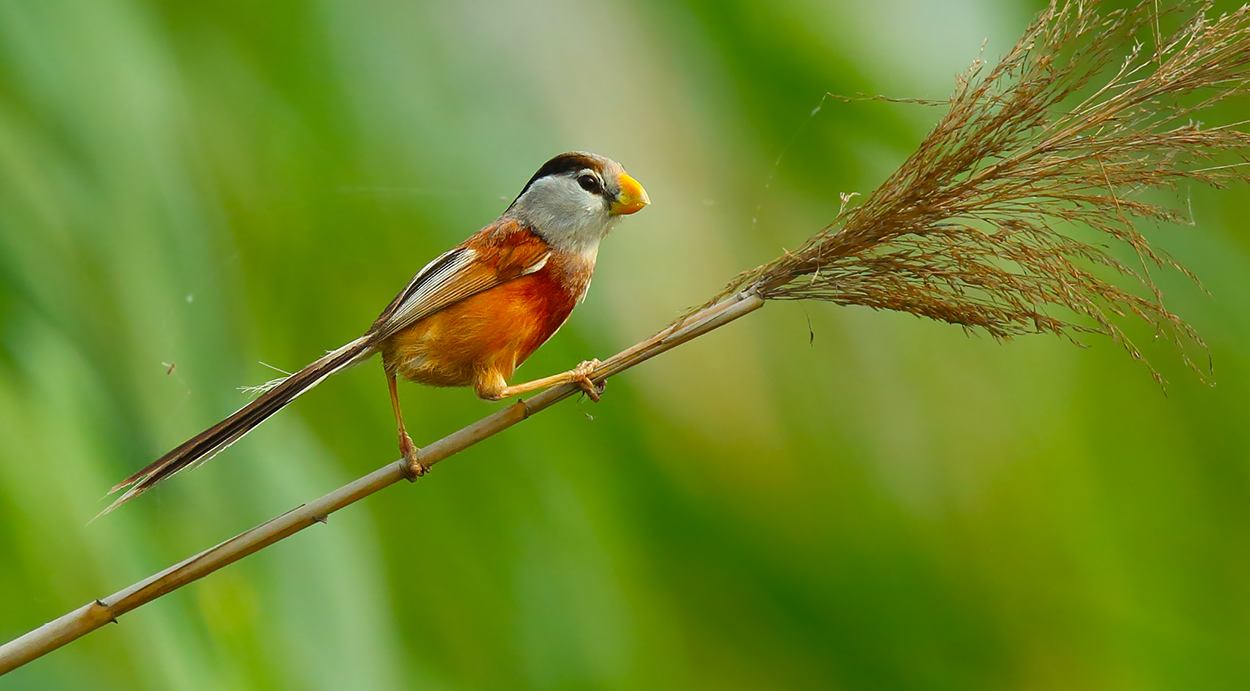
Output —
(471, 316)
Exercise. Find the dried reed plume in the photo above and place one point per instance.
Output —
(979, 228)
(981, 225)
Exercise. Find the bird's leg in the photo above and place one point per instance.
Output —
(579, 375)
(406, 447)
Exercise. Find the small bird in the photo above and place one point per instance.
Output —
(471, 316)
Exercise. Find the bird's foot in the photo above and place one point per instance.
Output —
(581, 377)
(413, 456)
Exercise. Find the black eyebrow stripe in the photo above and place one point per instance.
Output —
(564, 163)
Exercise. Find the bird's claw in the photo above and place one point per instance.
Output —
(581, 375)
(413, 456)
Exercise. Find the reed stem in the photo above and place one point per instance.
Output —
(93, 615)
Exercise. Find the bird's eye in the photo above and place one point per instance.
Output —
(590, 183)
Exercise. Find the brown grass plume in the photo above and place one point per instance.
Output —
(1020, 211)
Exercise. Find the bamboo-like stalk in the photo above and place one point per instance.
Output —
(95, 614)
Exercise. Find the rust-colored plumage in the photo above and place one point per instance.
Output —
(482, 339)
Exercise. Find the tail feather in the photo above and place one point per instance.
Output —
(211, 441)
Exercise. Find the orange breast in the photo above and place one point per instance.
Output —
(484, 338)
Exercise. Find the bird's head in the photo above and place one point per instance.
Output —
(575, 198)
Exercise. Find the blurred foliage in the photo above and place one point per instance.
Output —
(189, 188)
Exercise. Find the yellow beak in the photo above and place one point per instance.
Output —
(631, 198)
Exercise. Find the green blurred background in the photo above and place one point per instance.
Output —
(894, 505)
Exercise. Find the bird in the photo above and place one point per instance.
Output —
(470, 317)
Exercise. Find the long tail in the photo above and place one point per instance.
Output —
(208, 443)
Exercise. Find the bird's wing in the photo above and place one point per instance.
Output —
(495, 255)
